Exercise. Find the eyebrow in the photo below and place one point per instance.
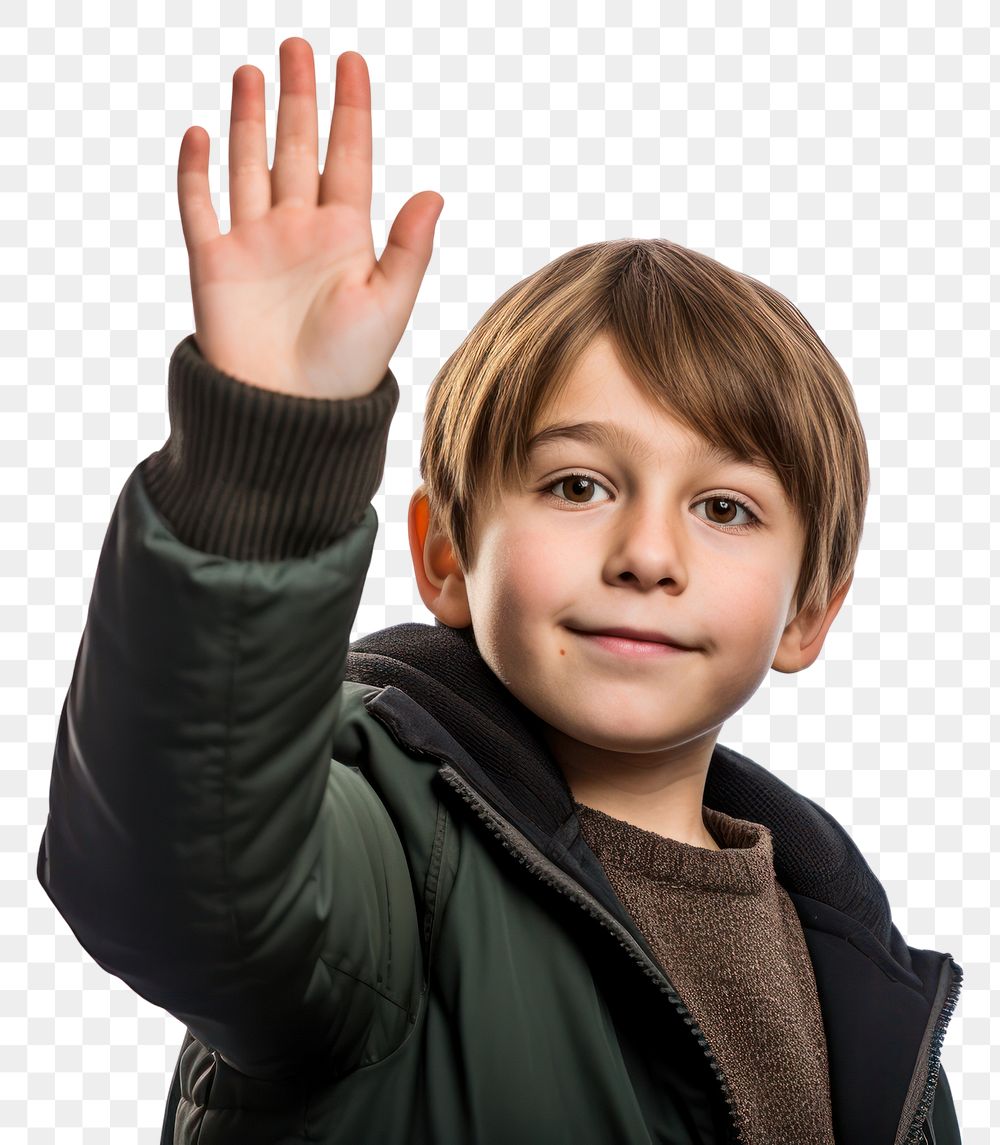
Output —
(611, 434)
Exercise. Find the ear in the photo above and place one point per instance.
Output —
(802, 640)
(440, 579)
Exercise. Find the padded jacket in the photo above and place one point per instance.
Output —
(355, 874)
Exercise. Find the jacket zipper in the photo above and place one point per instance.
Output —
(916, 1134)
(541, 869)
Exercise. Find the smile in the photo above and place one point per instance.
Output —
(622, 646)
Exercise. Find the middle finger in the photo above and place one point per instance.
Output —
(295, 174)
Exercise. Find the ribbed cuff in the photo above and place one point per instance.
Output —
(254, 474)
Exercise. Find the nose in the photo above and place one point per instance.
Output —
(647, 548)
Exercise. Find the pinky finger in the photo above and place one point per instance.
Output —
(198, 219)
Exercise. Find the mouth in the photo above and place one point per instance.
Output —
(631, 646)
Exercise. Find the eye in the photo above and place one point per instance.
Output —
(726, 505)
(579, 484)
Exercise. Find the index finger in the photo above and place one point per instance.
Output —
(347, 169)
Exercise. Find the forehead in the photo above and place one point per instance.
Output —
(621, 438)
(599, 405)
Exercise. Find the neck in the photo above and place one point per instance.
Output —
(658, 792)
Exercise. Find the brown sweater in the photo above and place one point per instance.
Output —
(729, 939)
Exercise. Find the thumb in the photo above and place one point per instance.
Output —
(408, 249)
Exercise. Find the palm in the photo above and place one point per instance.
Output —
(302, 275)
(292, 297)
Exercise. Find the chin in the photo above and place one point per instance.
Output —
(626, 738)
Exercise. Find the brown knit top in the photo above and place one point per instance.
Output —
(729, 939)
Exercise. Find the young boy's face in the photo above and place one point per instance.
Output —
(650, 539)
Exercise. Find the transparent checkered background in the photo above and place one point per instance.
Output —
(840, 152)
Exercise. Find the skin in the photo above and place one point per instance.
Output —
(649, 546)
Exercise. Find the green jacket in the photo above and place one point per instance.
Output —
(356, 877)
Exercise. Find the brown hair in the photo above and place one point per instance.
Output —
(728, 356)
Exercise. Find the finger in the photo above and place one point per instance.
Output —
(199, 221)
(408, 249)
(347, 169)
(295, 174)
(249, 178)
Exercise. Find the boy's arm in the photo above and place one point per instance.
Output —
(199, 843)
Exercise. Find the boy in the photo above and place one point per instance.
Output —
(491, 880)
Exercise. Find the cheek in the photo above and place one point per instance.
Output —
(521, 571)
(760, 609)
(751, 608)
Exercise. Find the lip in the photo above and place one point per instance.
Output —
(621, 645)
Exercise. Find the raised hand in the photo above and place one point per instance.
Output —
(292, 297)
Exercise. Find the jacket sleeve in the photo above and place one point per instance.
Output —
(199, 842)
(944, 1119)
